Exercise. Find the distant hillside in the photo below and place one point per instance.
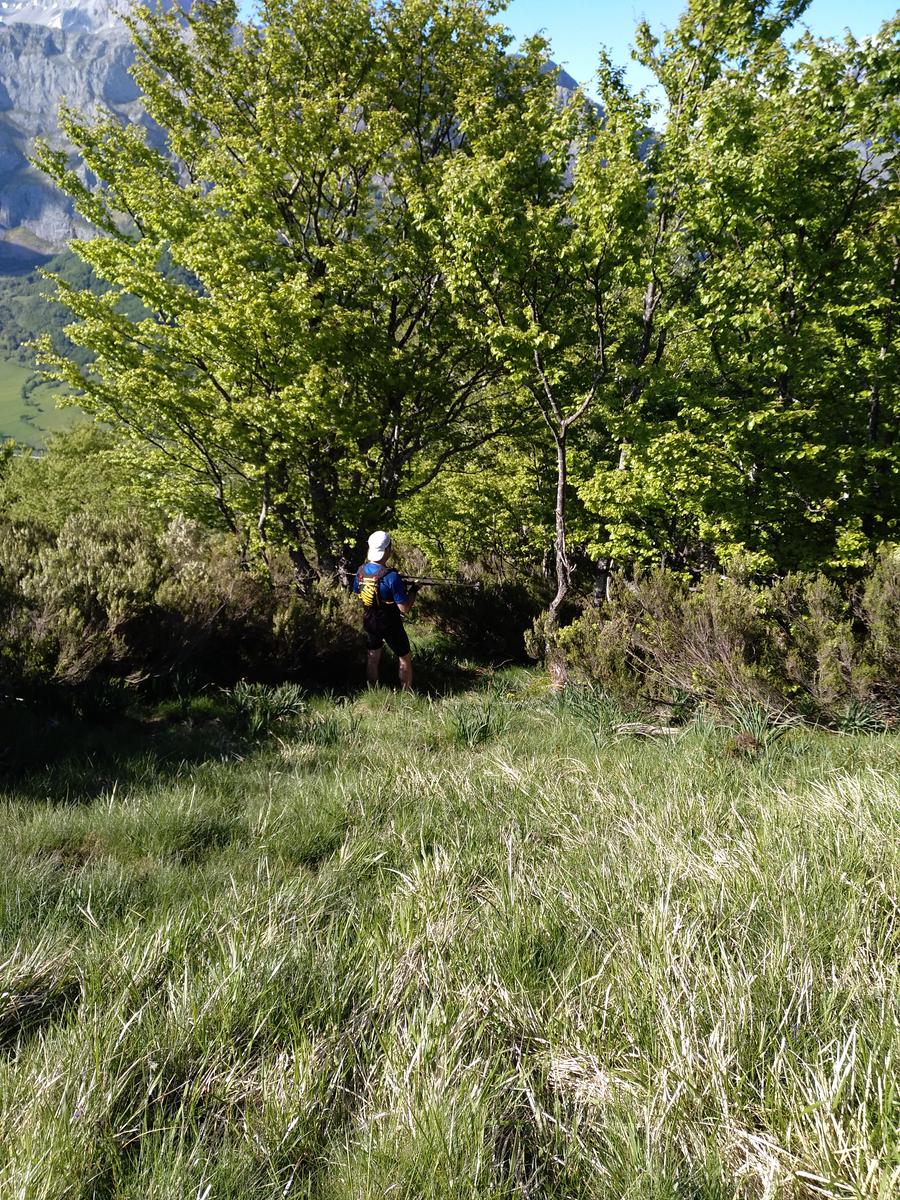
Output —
(27, 312)
(28, 410)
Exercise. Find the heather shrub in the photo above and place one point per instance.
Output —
(657, 637)
(486, 622)
(803, 644)
(318, 634)
(597, 647)
(100, 600)
(819, 650)
(880, 611)
(86, 585)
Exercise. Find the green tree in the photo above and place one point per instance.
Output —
(771, 433)
(297, 355)
(566, 228)
(545, 219)
(493, 507)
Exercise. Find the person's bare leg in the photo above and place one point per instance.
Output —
(406, 673)
(373, 661)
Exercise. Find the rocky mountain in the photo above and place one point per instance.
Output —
(89, 16)
(49, 51)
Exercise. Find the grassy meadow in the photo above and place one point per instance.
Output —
(473, 945)
(28, 418)
(28, 408)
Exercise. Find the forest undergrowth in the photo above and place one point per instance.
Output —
(491, 943)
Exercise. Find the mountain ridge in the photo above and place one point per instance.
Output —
(86, 16)
(50, 51)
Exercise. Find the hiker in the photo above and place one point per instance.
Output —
(385, 596)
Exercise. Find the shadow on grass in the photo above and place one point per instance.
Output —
(24, 1012)
(438, 668)
(66, 755)
(69, 758)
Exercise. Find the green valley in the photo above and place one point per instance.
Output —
(28, 406)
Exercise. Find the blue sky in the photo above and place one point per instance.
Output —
(577, 28)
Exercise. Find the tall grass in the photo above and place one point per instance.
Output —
(375, 957)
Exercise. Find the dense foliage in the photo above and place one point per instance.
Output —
(378, 242)
(768, 428)
(802, 646)
(703, 318)
(101, 600)
(536, 337)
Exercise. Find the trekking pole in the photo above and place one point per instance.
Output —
(423, 582)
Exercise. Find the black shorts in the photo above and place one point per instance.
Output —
(385, 624)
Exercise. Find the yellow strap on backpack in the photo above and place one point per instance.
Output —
(370, 587)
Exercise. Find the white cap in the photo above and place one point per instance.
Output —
(379, 544)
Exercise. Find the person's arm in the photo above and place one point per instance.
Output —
(403, 595)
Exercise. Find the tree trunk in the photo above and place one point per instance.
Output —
(561, 560)
(304, 572)
(602, 580)
(555, 659)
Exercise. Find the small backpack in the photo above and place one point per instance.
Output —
(369, 586)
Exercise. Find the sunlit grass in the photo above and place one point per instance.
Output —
(30, 418)
(477, 946)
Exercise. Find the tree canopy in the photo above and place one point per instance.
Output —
(384, 272)
(297, 352)
(770, 433)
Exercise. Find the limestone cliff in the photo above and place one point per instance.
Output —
(51, 51)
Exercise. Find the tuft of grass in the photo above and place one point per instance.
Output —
(329, 729)
(260, 708)
(590, 708)
(755, 728)
(36, 986)
(858, 716)
(474, 721)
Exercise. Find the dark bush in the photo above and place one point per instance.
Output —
(803, 644)
(489, 622)
(100, 601)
